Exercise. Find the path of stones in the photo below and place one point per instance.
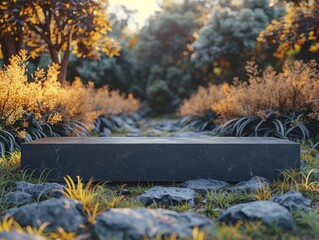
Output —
(40, 203)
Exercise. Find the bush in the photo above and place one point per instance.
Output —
(281, 104)
(42, 107)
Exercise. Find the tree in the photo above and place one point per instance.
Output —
(163, 48)
(296, 32)
(57, 27)
(116, 73)
(228, 39)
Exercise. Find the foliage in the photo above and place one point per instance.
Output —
(117, 73)
(228, 39)
(42, 107)
(164, 73)
(296, 32)
(281, 104)
(202, 100)
(58, 27)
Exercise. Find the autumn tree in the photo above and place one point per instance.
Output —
(296, 32)
(58, 27)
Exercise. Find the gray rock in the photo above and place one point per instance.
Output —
(13, 235)
(252, 185)
(270, 213)
(64, 213)
(41, 191)
(292, 200)
(142, 223)
(167, 196)
(205, 185)
(18, 198)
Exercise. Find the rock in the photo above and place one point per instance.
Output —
(64, 213)
(292, 200)
(270, 213)
(13, 235)
(205, 185)
(167, 196)
(253, 185)
(18, 198)
(41, 191)
(142, 223)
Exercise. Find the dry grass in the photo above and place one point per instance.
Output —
(294, 89)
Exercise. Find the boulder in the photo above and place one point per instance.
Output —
(64, 213)
(252, 185)
(18, 198)
(41, 191)
(142, 223)
(292, 200)
(205, 185)
(13, 235)
(270, 213)
(167, 196)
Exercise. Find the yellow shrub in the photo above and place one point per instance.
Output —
(200, 102)
(295, 89)
(18, 96)
(49, 101)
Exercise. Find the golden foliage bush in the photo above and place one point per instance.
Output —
(201, 102)
(18, 96)
(294, 89)
(46, 100)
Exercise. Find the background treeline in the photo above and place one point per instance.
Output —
(192, 43)
(187, 44)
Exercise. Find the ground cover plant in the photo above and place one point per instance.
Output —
(97, 198)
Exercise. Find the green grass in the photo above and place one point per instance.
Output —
(97, 198)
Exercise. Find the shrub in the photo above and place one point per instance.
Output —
(281, 104)
(201, 102)
(41, 107)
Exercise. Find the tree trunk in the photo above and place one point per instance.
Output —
(9, 47)
(64, 66)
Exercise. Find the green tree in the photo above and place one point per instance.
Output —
(228, 39)
(163, 47)
(117, 73)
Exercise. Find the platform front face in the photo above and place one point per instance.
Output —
(161, 159)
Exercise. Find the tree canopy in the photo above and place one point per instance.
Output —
(57, 27)
(295, 32)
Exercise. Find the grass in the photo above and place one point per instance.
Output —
(98, 197)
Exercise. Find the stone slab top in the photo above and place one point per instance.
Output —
(161, 140)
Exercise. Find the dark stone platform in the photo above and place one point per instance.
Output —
(123, 159)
